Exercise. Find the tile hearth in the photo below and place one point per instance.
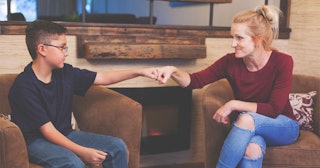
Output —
(180, 159)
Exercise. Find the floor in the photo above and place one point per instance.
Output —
(186, 165)
(181, 159)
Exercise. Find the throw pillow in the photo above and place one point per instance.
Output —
(6, 117)
(302, 104)
(74, 122)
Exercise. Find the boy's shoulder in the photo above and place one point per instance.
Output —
(26, 75)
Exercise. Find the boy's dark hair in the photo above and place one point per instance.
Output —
(39, 32)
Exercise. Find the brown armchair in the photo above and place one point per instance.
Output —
(304, 152)
(101, 111)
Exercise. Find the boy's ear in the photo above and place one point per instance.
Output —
(41, 49)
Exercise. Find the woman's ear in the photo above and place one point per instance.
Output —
(258, 40)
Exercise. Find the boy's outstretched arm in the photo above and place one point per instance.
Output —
(111, 77)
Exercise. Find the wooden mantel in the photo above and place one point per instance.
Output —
(136, 41)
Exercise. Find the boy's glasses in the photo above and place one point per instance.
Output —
(62, 48)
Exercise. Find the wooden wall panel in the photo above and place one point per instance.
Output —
(143, 51)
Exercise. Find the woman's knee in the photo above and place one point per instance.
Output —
(245, 121)
(253, 151)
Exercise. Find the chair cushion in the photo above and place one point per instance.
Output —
(304, 152)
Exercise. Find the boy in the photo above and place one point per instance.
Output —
(41, 97)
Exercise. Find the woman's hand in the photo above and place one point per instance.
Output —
(182, 78)
(221, 115)
(164, 73)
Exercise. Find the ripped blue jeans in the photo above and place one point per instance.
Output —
(267, 132)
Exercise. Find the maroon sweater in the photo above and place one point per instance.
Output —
(268, 87)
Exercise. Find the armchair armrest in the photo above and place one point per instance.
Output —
(13, 150)
(215, 95)
(306, 83)
(107, 112)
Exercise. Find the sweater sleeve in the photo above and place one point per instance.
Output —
(210, 74)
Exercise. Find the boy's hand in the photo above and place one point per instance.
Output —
(93, 156)
(150, 73)
(164, 73)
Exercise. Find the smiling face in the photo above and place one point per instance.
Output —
(242, 42)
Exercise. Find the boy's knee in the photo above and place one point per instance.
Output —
(122, 145)
(119, 153)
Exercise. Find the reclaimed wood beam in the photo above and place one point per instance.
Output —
(143, 51)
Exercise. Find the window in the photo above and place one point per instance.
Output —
(26, 7)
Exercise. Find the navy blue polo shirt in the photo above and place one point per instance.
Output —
(35, 103)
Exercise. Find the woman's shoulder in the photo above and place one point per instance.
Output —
(280, 54)
(281, 60)
(229, 56)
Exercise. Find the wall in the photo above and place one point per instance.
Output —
(303, 46)
(304, 43)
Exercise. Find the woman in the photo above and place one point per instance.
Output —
(261, 79)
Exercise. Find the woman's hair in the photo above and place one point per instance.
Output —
(41, 31)
(263, 21)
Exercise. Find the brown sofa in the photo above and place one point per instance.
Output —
(101, 111)
(305, 153)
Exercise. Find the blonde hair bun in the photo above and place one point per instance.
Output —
(271, 14)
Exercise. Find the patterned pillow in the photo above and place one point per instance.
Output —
(6, 117)
(302, 104)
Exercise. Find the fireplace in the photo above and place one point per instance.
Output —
(166, 117)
